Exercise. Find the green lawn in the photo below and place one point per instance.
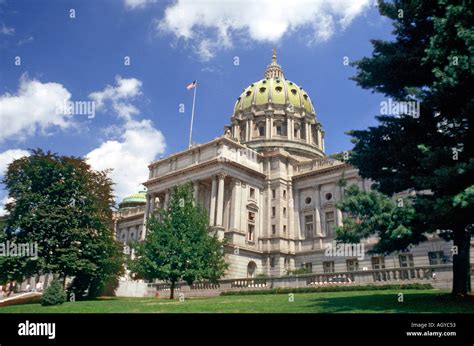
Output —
(424, 301)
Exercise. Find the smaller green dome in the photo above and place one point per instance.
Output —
(133, 200)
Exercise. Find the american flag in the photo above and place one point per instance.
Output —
(191, 85)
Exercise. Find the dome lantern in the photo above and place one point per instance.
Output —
(274, 70)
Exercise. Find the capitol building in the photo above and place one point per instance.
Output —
(270, 189)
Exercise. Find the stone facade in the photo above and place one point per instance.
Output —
(270, 189)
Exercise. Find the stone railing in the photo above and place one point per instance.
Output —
(131, 212)
(316, 164)
(439, 276)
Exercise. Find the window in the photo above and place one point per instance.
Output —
(378, 262)
(261, 131)
(436, 257)
(279, 89)
(278, 130)
(252, 193)
(329, 222)
(273, 229)
(328, 267)
(352, 265)
(262, 89)
(132, 235)
(273, 193)
(328, 196)
(284, 228)
(273, 211)
(308, 200)
(123, 236)
(406, 260)
(284, 194)
(308, 226)
(250, 232)
(284, 212)
(309, 267)
(272, 262)
(251, 216)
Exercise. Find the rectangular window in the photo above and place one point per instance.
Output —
(261, 131)
(272, 262)
(378, 262)
(284, 194)
(329, 222)
(308, 226)
(252, 193)
(273, 193)
(328, 267)
(273, 229)
(436, 257)
(250, 232)
(273, 211)
(284, 212)
(309, 267)
(251, 216)
(284, 228)
(352, 265)
(406, 260)
(279, 131)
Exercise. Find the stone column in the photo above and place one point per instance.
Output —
(220, 199)
(146, 214)
(291, 123)
(271, 128)
(267, 127)
(195, 191)
(310, 128)
(212, 207)
(317, 206)
(250, 129)
(297, 223)
(338, 211)
(167, 198)
(291, 210)
(320, 144)
(235, 204)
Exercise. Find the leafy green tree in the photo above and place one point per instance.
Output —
(178, 245)
(65, 207)
(429, 61)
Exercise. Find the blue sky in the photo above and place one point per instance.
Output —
(170, 44)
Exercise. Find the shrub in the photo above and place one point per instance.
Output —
(286, 290)
(54, 294)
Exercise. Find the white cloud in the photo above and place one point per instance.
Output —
(5, 30)
(119, 95)
(139, 144)
(211, 26)
(137, 4)
(32, 108)
(136, 143)
(3, 203)
(6, 158)
(9, 156)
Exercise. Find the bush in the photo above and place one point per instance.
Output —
(54, 294)
(286, 290)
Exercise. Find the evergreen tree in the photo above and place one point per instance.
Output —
(178, 245)
(54, 294)
(431, 62)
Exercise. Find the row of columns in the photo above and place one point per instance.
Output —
(269, 130)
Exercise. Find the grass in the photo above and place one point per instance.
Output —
(415, 301)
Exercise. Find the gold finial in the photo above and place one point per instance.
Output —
(274, 57)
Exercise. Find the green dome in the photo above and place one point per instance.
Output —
(134, 200)
(276, 91)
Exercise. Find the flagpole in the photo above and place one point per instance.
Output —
(192, 117)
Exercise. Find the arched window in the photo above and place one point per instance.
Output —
(251, 269)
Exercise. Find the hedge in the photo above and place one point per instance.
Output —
(286, 290)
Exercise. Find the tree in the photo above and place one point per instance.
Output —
(64, 206)
(178, 245)
(430, 62)
(54, 294)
